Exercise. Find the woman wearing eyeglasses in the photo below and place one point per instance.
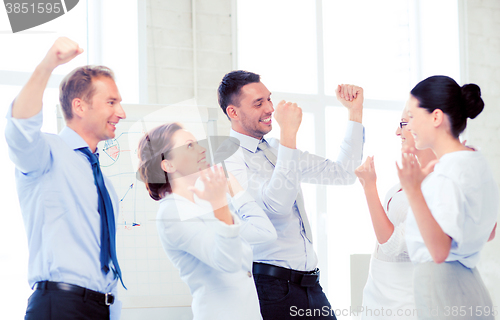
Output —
(453, 209)
(209, 241)
(388, 292)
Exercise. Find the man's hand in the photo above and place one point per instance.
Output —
(352, 98)
(289, 116)
(63, 50)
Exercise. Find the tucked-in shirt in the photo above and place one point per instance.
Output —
(463, 198)
(215, 259)
(275, 190)
(396, 205)
(58, 198)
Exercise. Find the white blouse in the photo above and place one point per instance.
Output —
(396, 205)
(215, 259)
(463, 198)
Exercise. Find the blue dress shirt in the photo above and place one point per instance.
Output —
(215, 259)
(275, 190)
(58, 199)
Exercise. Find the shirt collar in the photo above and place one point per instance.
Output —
(73, 139)
(246, 142)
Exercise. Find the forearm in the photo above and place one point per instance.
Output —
(381, 224)
(29, 101)
(356, 115)
(437, 242)
(221, 212)
(288, 139)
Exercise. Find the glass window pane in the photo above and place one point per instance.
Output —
(439, 39)
(367, 43)
(23, 51)
(349, 225)
(13, 257)
(277, 39)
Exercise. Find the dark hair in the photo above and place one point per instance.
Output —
(458, 103)
(153, 148)
(78, 84)
(229, 88)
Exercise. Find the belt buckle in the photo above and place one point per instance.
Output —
(108, 301)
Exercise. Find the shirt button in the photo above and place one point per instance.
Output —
(249, 274)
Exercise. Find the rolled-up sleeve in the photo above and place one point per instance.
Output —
(27, 148)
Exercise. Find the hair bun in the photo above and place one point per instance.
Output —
(471, 96)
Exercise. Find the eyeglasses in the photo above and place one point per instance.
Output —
(402, 124)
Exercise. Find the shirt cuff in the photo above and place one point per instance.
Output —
(240, 199)
(226, 230)
(287, 158)
(355, 131)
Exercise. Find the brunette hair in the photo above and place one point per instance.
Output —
(155, 147)
(78, 84)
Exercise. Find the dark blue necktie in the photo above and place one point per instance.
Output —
(105, 208)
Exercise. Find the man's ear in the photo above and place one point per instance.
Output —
(232, 112)
(78, 107)
(168, 167)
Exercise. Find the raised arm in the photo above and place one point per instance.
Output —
(381, 224)
(29, 101)
(352, 98)
(411, 176)
(256, 228)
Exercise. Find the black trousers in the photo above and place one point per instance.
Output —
(59, 305)
(282, 299)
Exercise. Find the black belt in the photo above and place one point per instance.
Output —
(105, 299)
(302, 278)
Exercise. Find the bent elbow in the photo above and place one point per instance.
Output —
(440, 257)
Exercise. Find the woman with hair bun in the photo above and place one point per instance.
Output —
(452, 209)
(208, 241)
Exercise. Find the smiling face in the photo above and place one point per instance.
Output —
(187, 157)
(104, 112)
(420, 124)
(407, 141)
(253, 115)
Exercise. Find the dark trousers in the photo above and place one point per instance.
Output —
(282, 299)
(59, 305)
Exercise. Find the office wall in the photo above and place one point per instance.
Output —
(483, 51)
(189, 50)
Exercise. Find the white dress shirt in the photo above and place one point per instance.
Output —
(275, 189)
(215, 259)
(463, 198)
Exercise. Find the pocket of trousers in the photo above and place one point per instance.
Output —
(271, 288)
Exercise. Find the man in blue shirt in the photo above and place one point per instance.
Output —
(285, 271)
(73, 274)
